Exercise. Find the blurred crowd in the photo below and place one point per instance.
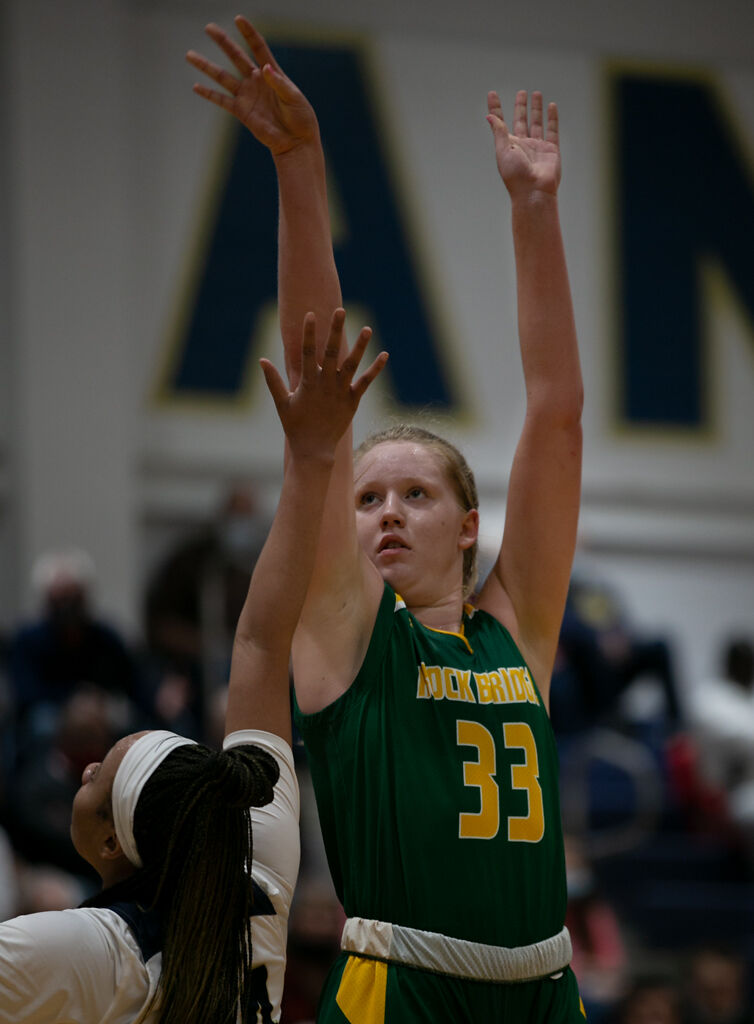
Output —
(657, 774)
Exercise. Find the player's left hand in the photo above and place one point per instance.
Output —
(527, 160)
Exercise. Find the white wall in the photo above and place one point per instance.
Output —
(107, 165)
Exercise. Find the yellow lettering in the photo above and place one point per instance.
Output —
(434, 675)
(449, 682)
(495, 686)
(509, 694)
(435, 682)
(517, 678)
(422, 684)
(464, 688)
(482, 680)
(532, 693)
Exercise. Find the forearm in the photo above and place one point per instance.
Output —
(307, 276)
(546, 325)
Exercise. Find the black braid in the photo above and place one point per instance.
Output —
(193, 831)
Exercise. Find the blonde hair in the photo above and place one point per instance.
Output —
(457, 471)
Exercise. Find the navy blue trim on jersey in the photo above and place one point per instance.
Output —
(146, 926)
(261, 903)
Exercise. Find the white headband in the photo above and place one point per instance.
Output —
(137, 766)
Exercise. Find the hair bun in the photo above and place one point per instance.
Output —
(246, 776)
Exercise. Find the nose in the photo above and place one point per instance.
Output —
(88, 771)
(392, 510)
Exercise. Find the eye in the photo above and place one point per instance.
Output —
(416, 492)
(370, 498)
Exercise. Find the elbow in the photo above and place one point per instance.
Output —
(558, 406)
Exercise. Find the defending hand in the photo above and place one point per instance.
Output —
(317, 413)
(261, 95)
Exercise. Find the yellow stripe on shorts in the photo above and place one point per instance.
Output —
(581, 1004)
(361, 993)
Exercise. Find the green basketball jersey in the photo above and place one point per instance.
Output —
(436, 780)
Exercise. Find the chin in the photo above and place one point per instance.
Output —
(390, 576)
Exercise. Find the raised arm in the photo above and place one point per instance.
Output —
(279, 116)
(337, 615)
(314, 415)
(528, 586)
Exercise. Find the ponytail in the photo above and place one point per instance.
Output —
(192, 826)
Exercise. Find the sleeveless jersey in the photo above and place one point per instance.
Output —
(436, 779)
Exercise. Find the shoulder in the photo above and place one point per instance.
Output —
(28, 636)
(106, 635)
(333, 638)
(390, 629)
(57, 936)
(494, 601)
(275, 826)
(270, 742)
(478, 620)
(64, 962)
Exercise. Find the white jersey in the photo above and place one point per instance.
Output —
(88, 964)
(277, 850)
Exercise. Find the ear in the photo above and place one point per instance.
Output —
(113, 866)
(110, 848)
(469, 529)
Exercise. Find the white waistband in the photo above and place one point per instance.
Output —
(459, 958)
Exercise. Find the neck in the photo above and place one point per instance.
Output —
(114, 872)
(446, 615)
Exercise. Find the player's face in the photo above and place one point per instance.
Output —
(91, 816)
(410, 523)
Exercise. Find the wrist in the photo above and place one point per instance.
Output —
(300, 152)
(527, 199)
(313, 459)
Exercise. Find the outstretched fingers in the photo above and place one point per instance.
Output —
(335, 374)
(263, 55)
(494, 105)
(537, 125)
(332, 346)
(553, 134)
(240, 59)
(309, 366)
(219, 75)
(351, 360)
(495, 118)
(275, 384)
(280, 83)
(256, 43)
(520, 117)
(358, 389)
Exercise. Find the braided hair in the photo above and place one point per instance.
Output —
(192, 827)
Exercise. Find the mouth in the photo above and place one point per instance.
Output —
(391, 544)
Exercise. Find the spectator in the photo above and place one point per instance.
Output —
(650, 1000)
(600, 655)
(722, 718)
(191, 607)
(65, 647)
(42, 788)
(718, 988)
(600, 958)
